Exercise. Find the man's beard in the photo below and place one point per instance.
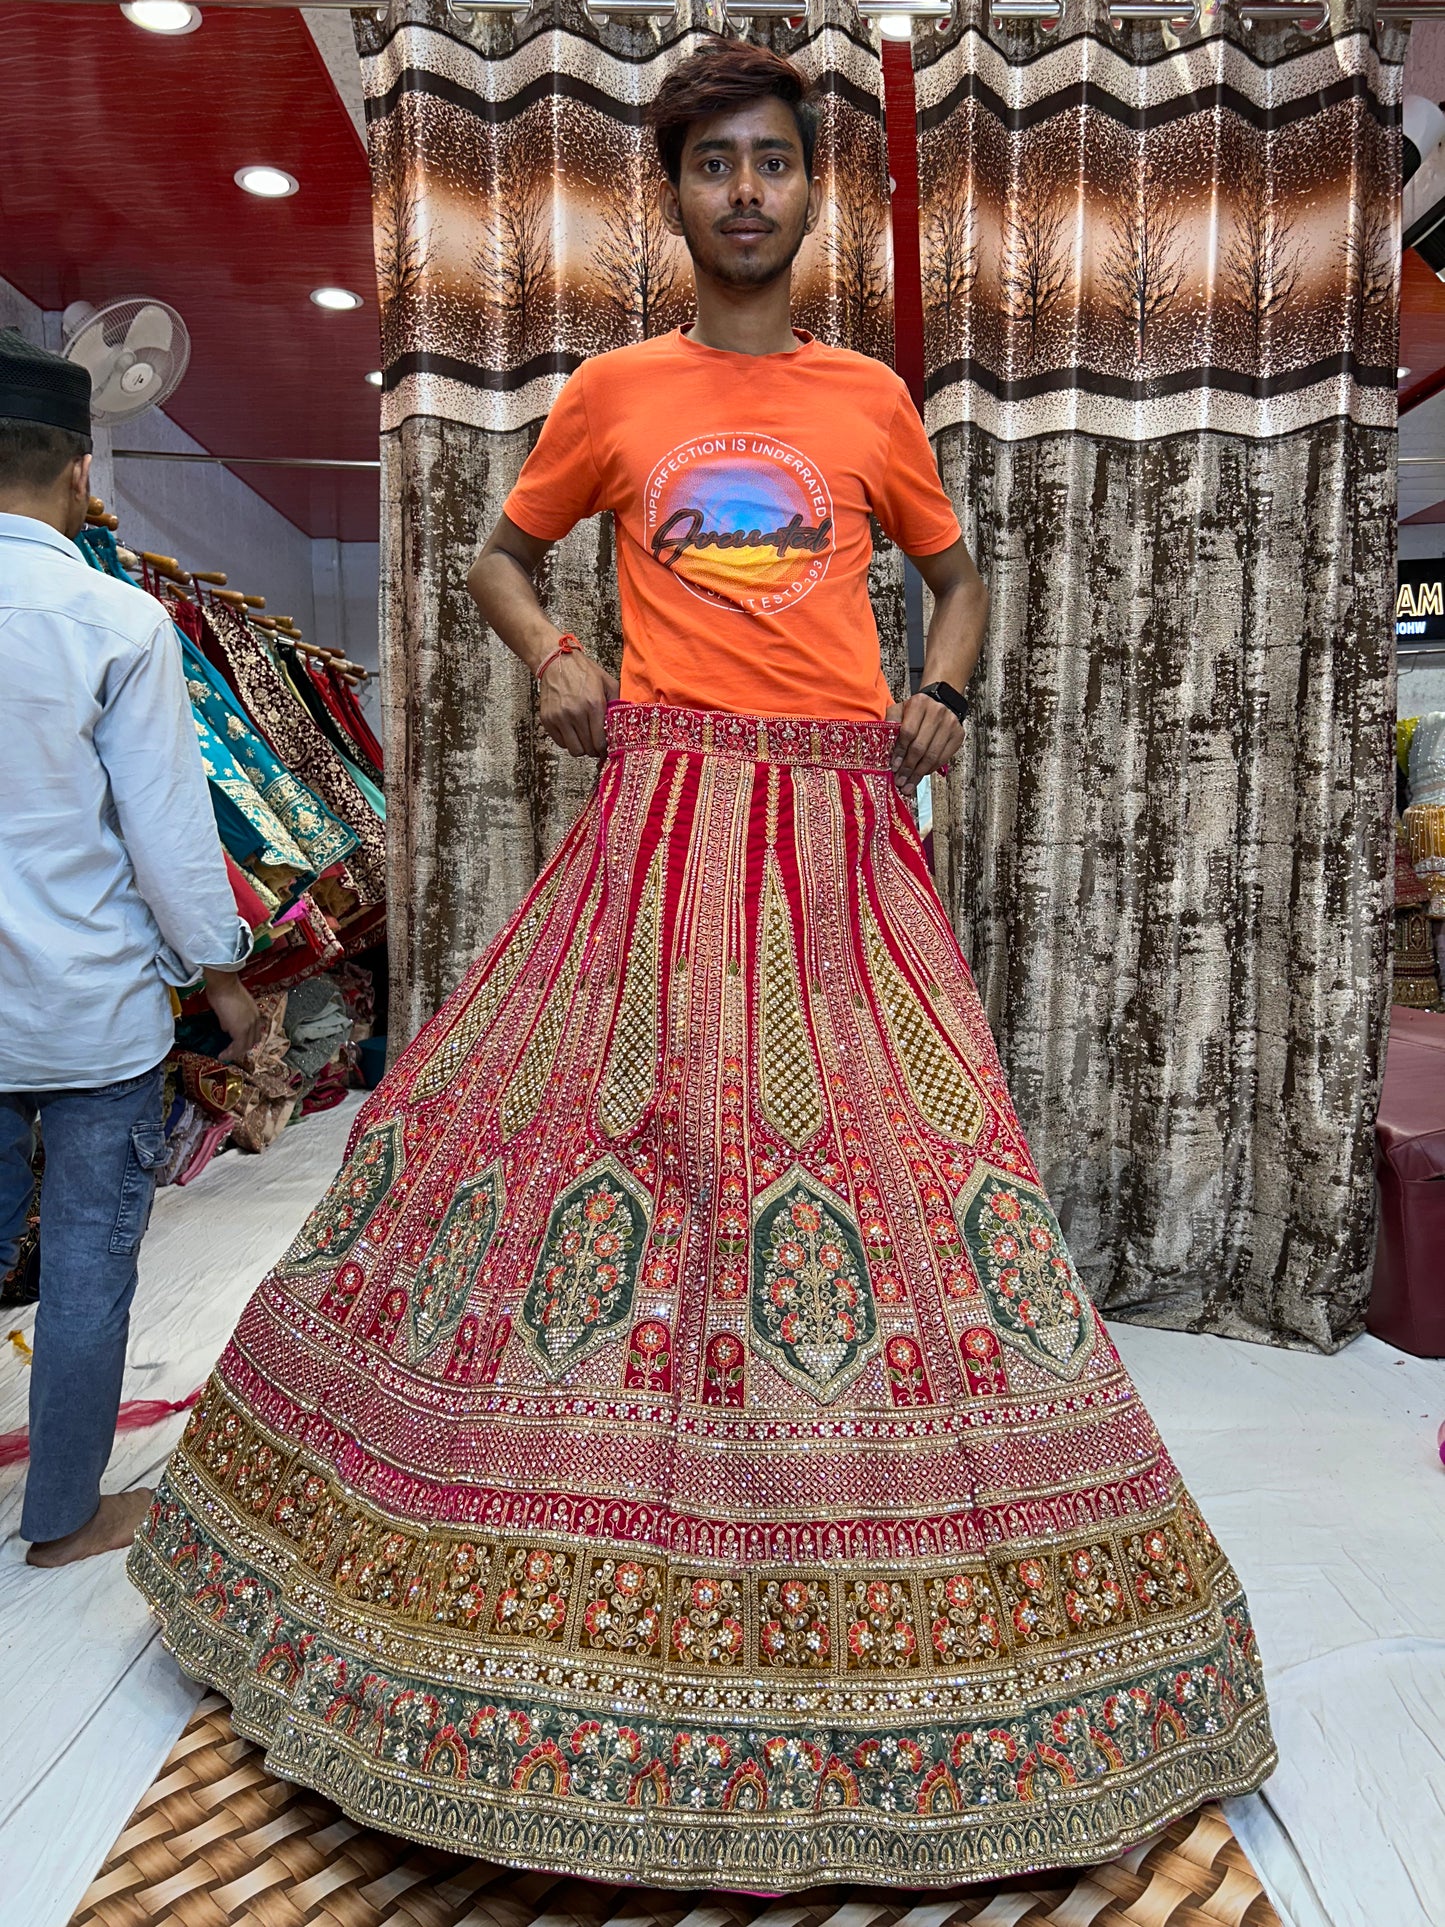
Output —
(741, 273)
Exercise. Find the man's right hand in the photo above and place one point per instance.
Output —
(572, 704)
(237, 1012)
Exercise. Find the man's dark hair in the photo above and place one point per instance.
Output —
(725, 74)
(34, 455)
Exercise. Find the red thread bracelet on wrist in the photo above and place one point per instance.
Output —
(567, 645)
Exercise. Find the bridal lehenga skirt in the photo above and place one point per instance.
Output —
(678, 1448)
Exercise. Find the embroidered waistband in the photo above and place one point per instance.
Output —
(830, 744)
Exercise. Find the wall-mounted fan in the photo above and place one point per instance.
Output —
(136, 352)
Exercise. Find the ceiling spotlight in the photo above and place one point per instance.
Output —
(1400, 373)
(163, 16)
(337, 298)
(375, 378)
(271, 183)
(896, 26)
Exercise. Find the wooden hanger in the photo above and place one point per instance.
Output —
(167, 566)
(213, 576)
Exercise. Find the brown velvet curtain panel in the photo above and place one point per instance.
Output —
(516, 234)
(1160, 297)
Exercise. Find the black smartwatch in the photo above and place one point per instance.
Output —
(951, 698)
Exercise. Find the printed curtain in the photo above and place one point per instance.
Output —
(1160, 291)
(516, 234)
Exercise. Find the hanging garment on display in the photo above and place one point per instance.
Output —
(285, 853)
(678, 1449)
(288, 727)
(1160, 305)
(314, 828)
(307, 687)
(517, 232)
(249, 829)
(340, 698)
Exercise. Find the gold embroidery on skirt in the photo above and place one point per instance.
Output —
(788, 1088)
(529, 1080)
(631, 1072)
(937, 1081)
(455, 1047)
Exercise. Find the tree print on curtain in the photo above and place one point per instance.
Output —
(1160, 316)
(517, 234)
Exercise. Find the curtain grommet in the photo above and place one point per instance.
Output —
(1048, 14)
(1309, 16)
(1183, 19)
(600, 10)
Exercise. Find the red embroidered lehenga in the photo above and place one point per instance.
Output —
(678, 1448)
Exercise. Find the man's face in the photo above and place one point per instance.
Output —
(743, 202)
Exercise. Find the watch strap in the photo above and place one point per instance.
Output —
(951, 698)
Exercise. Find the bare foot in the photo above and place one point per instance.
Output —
(114, 1526)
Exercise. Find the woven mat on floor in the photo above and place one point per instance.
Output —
(218, 1841)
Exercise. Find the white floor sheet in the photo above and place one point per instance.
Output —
(92, 1704)
(1320, 1475)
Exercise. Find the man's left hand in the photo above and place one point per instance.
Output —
(929, 736)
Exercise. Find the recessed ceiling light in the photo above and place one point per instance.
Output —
(1400, 373)
(895, 26)
(271, 183)
(375, 378)
(163, 16)
(337, 298)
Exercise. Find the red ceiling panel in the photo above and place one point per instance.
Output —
(117, 151)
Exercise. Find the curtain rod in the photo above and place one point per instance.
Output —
(234, 461)
(1314, 13)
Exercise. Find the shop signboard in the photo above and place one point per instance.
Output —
(1420, 601)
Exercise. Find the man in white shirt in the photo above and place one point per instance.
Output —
(112, 888)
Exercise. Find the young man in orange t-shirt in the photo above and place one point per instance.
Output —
(742, 460)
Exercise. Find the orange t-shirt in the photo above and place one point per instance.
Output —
(741, 487)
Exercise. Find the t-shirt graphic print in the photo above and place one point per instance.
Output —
(744, 521)
(742, 488)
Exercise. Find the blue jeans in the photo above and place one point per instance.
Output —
(102, 1149)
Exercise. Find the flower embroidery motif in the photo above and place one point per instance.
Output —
(793, 1626)
(533, 1601)
(724, 1366)
(586, 1274)
(983, 1366)
(456, 1594)
(906, 1372)
(1162, 1578)
(707, 1625)
(447, 1274)
(881, 1632)
(1034, 1295)
(812, 1310)
(1093, 1593)
(624, 1608)
(1031, 1597)
(965, 1620)
(649, 1358)
(346, 1210)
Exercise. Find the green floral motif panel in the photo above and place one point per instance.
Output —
(449, 1270)
(812, 1304)
(1038, 1304)
(346, 1210)
(583, 1285)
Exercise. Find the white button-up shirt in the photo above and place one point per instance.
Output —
(112, 881)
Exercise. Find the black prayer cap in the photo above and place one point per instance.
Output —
(36, 386)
